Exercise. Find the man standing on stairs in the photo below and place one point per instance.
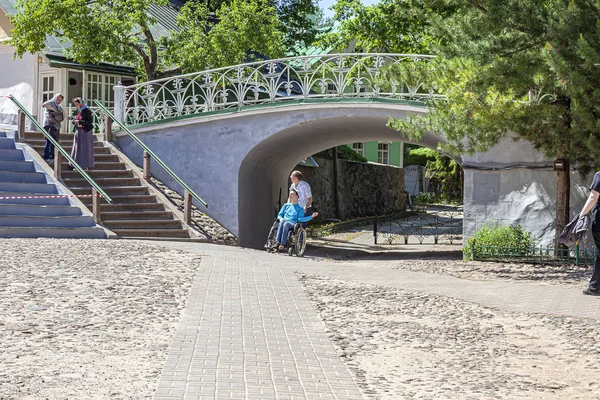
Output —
(53, 116)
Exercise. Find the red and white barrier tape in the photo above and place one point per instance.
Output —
(57, 196)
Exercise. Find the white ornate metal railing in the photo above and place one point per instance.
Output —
(276, 81)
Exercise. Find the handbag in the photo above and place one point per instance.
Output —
(57, 116)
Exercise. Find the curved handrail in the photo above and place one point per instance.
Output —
(61, 150)
(281, 60)
(346, 75)
(156, 158)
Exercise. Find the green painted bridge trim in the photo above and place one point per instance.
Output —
(283, 103)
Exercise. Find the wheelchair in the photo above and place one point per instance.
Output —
(295, 243)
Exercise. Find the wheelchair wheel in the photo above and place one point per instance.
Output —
(300, 242)
(272, 235)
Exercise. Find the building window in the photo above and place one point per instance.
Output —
(100, 87)
(359, 147)
(383, 153)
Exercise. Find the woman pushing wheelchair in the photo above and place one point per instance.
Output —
(289, 218)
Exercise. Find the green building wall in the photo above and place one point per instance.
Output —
(396, 152)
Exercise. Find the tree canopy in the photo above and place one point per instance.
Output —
(522, 67)
(122, 32)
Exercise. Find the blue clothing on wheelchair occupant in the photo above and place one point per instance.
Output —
(293, 213)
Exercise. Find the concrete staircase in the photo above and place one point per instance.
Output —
(36, 217)
(135, 212)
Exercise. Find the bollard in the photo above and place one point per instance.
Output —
(96, 206)
(146, 165)
(187, 207)
(57, 164)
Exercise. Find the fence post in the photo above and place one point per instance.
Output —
(21, 126)
(375, 230)
(57, 164)
(187, 207)
(96, 206)
(107, 128)
(120, 102)
(146, 165)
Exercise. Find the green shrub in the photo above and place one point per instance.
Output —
(432, 198)
(497, 242)
(426, 198)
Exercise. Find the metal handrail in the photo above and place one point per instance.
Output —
(151, 153)
(61, 150)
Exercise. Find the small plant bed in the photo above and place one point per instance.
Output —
(510, 243)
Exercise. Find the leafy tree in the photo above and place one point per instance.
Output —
(243, 29)
(388, 26)
(300, 20)
(524, 66)
(121, 32)
(441, 169)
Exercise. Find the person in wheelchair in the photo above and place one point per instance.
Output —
(290, 214)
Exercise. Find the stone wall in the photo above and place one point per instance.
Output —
(363, 189)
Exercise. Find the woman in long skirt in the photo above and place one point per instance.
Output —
(83, 145)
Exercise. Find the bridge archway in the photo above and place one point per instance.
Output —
(266, 167)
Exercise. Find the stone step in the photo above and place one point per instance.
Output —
(22, 177)
(141, 223)
(62, 201)
(136, 215)
(102, 182)
(98, 158)
(43, 232)
(101, 165)
(62, 233)
(45, 188)
(21, 166)
(7, 143)
(11, 155)
(68, 148)
(123, 199)
(116, 190)
(62, 142)
(128, 207)
(143, 233)
(69, 136)
(100, 173)
(38, 210)
(77, 221)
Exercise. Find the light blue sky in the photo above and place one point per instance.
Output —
(325, 4)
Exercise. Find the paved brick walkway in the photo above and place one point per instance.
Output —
(249, 331)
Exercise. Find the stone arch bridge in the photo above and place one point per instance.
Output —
(234, 134)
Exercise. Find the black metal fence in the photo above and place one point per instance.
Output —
(442, 226)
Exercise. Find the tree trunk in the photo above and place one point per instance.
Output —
(563, 192)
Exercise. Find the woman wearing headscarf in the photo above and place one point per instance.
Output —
(83, 145)
(53, 116)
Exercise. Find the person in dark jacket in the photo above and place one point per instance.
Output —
(83, 145)
(592, 205)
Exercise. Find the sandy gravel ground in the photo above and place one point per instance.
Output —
(564, 275)
(406, 345)
(87, 319)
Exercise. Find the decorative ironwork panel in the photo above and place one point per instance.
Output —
(280, 80)
(444, 226)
